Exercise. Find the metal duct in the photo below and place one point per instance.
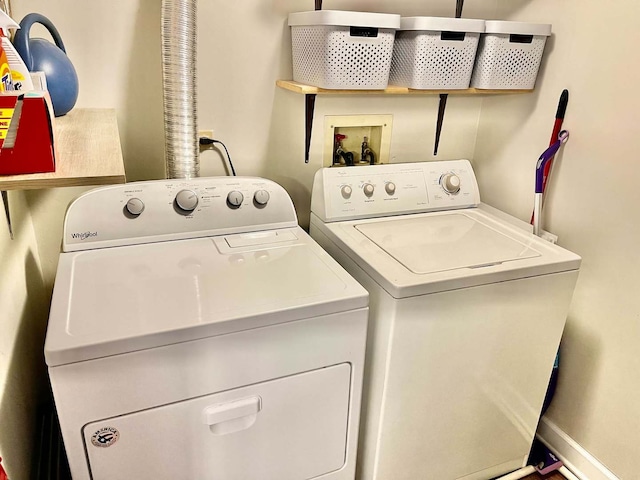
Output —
(179, 38)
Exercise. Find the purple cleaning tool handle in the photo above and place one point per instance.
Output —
(547, 155)
(542, 161)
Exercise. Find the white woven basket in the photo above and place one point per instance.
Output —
(435, 53)
(509, 55)
(342, 50)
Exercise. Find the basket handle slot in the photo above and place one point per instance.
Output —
(453, 36)
(516, 38)
(368, 32)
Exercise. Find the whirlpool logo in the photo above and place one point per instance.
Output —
(83, 235)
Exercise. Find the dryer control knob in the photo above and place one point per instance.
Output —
(261, 197)
(187, 200)
(368, 189)
(450, 182)
(235, 199)
(346, 191)
(390, 188)
(135, 206)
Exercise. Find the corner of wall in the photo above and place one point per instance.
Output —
(22, 371)
(576, 458)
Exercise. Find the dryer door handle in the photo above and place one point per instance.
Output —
(223, 412)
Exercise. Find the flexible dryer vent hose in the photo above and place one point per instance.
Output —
(179, 38)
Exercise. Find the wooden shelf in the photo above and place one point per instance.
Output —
(88, 152)
(391, 90)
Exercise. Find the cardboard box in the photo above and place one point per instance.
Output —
(26, 133)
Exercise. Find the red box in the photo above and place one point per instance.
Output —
(26, 133)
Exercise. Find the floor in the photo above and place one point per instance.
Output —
(551, 476)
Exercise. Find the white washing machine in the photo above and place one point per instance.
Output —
(467, 310)
(196, 332)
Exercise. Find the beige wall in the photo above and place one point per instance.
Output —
(23, 313)
(244, 47)
(592, 206)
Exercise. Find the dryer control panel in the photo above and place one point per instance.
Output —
(145, 212)
(393, 189)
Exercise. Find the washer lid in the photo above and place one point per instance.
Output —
(122, 299)
(418, 254)
(444, 242)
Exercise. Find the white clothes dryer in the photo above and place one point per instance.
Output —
(196, 332)
(467, 308)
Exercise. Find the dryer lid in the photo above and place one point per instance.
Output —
(118, 300)
(444, 242)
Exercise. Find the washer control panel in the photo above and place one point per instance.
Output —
(145, 212)
(342, 193)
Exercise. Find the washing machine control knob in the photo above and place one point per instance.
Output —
(187, 200)
(235, 199)
(261, 197)
(346, 191)
(450, 182)
(135, 206)
(368, 189)
(390, 188)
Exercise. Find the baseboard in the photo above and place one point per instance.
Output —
(581, 463)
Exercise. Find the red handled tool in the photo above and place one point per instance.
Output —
(557, 127)
(3, 474)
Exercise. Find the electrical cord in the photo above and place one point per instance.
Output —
(204, 141)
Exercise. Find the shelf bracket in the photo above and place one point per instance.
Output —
(441, 107)
(309, 106)
(443, 96)
(7, 212)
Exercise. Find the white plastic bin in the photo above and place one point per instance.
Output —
(435, 52)
(509, 55)
(342, 50)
